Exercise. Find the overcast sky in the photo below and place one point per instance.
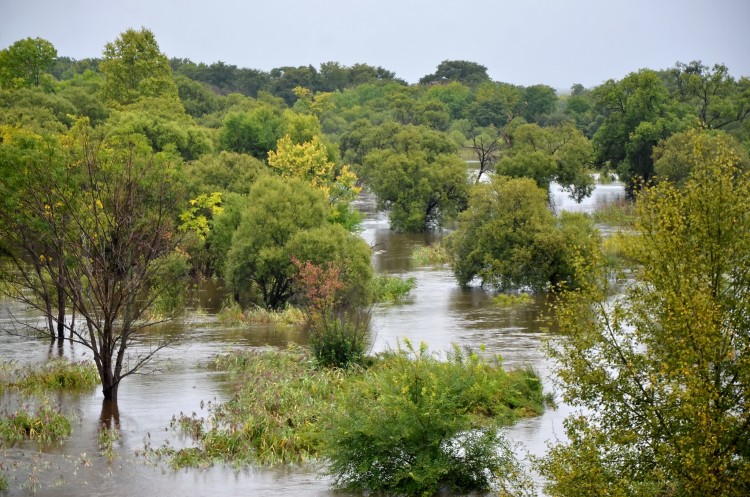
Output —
(555, 42)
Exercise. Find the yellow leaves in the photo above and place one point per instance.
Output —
(196, 217)
(309, 160)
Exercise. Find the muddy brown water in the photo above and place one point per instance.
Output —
(438, 312)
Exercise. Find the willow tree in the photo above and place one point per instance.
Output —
(105, 217)
(662, 374)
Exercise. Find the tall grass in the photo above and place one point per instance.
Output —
(56, 374)
(46, 424)
(431, 255)
(391, 289)
(231, 313)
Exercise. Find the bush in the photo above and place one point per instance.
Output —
(45, 425)
(340, 341)
(431, 255)
(390, 289)
(414, 424)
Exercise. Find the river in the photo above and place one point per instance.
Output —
(437, 312)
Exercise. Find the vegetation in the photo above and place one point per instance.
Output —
(391, 289)
(58, 374)
(45, 424)
(430, 255)
(440, 419)
(413, 424)
(127, 178)
(663, 370)
(508, 239)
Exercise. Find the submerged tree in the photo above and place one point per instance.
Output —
(663, 373)
(110, 206)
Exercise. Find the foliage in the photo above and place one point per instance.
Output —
(560, 153)
(134, 68)
(280, 399)
(430, 255)
(663, 371)
(511, 299)
(391, 289)
(621, 214)
(259, 256)
(107, 439)
(24, 62)
(678, 155)
(460, 71)
(418, 178)
(57, 374)
(46, 425)
(86, 222)
(509, 239)
(337, 327)
(255, 132)
(231, 313)
(413, 424)
(638, 113)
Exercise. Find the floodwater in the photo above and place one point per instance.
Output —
(438, 312)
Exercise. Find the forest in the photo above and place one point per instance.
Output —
(131, 179)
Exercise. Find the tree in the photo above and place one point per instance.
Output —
(111, 210)
(417, 176)
(638, 113)
(133, 67)
(486, 147)
(461, 71)
(254, 132)
(560, 153)
(508, 238)
(718, 100)
(496, 104)
(677, 156)
(24, 62)
(539, 102)
(259, 258)
(663, 372)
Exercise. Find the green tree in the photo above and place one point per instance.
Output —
(495, 104)
(259, 258)
(417, 179)
(560, 153)
(662, 373)
(638, 112)
(508, 238)
(461, 71)
(677, 156)
(539, 102)
(133, 67)
(25, 61)
(717, 99)
(111, 210)
(254, 132)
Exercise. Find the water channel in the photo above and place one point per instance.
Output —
(437, 312)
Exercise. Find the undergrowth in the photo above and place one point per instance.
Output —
(406, 413)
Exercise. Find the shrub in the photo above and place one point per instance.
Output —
(431, 255)
(340, 341)
(390, 289)
(45, 425)
(414, 424)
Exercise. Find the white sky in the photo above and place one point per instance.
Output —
(524, 42)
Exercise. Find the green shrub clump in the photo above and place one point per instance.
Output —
(391, 289)
(47, 424)
(413, 424)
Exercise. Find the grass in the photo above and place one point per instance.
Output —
(232, 314)
(391, 289)
(621, 213)
(54, 375)
(511, 299)
(430, 255)
(46, 424)
(108, 438)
